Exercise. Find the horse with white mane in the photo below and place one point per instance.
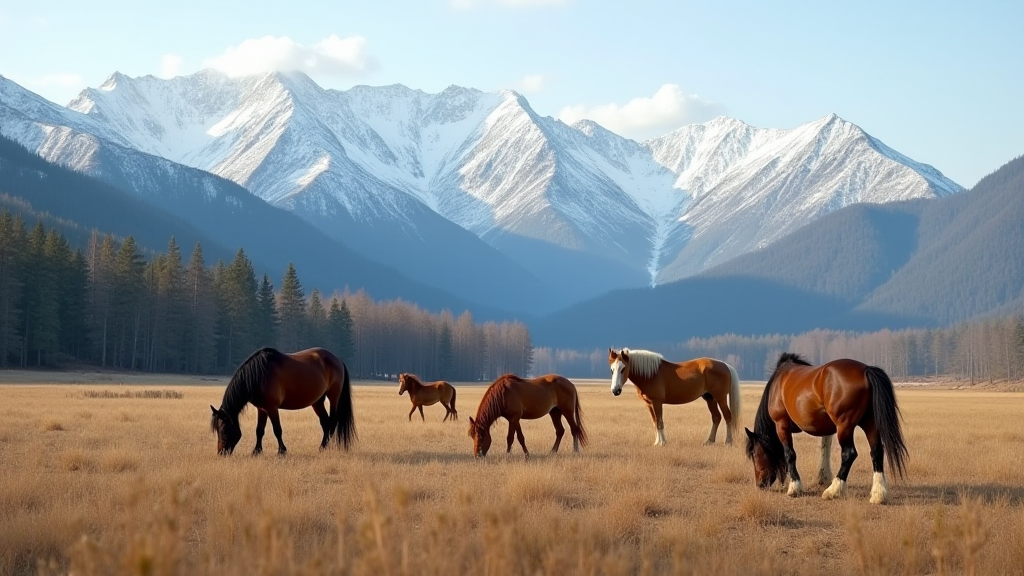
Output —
(659, 382)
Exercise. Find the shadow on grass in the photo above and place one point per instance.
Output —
(955, 493)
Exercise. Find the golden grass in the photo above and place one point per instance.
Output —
(134, 486)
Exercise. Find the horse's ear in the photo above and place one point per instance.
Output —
(213, 409)
(750, 434)
(471, 421)
(624, 355)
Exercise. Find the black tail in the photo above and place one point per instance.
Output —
(345, 422)
(455, 413)
(887, 418)
(579, 422)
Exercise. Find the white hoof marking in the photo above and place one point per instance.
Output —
(794, 488)
(837, 489)
(879, 491)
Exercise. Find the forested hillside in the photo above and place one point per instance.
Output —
(109, 306)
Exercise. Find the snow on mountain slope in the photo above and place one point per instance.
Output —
(396, 160)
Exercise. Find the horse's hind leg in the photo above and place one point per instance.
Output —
(849, 453)
(879, 489)
(522, 440)
(825, 470)
(325, 422)
(275, 421)
(716, 418)
(423, 418)
(556, 419)
(261, 427)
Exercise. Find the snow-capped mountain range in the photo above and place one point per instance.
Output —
(437, 184)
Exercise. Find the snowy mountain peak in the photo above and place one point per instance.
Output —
(395, 157)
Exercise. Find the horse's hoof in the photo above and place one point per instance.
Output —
(794, 489)
(834, 491)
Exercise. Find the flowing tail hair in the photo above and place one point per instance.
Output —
(455, 413)
(734, 398)
(887, 418)
(579, 422)
(345, 422)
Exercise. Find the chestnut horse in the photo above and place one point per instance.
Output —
(833, 398)
(516, 398)
(427, 395)
(272, 381)
(659, 382)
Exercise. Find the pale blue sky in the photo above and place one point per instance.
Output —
(941, 83)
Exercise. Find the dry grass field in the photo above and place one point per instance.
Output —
(122, 478)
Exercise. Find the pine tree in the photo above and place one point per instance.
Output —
(73, 303)
(340, 338)
(12, 233)
(170, 324)
(129, 297)
(316, 321)
(237, 288)
(291, 306)
(201, 324)
(267, 317)
(102, 259)
(40, 324)
(55, 258)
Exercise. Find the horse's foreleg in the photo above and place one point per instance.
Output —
(556, 419)
(825, 470)
(511, 436)
(659, 423)
(261, 427)
(421, 413)
(795, 486)
(522, 441)
(849, 454)
(325, 422)
(879, 489)
(411, 412)
(275, 421)
(716, 418)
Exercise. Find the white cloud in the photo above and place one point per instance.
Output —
(533, 83)
(470, 4)
(647, 116)
(332, 56)
(170, 65)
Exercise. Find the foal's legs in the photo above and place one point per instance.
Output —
(275, 421)
(325, 422)
(511, 437)
(879, 489)
(556, 419)
(522, 441)
(421, 413)
(716, 418)
(411, 412)
(848, 450)
(261, 427)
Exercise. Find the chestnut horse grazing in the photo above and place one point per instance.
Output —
(427, 395)
(273, 381)
(515, 399)
(659, 382)
(833, 398)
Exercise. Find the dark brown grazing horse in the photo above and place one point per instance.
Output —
(833, 398)
(659, 382)
(515, 399)
(273, 381)
(427, 395)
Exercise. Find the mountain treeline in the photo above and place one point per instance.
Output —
(980, 351)
(109, 306)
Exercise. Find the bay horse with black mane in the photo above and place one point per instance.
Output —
(271, 380)
(427, 395)
(659, 382)
(515, 399)
(833, 398)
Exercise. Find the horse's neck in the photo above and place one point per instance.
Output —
(641, 380)
(232, 404)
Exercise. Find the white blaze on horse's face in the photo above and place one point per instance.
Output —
(618, 376)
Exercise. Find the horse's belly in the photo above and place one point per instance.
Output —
(816, 424)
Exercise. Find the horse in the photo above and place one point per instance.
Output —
(516, 398)
(427, 395)
(833, 398)
(272, 381)
(659, 382)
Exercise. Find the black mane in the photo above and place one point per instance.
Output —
(764, 427)
(247, 379)
(790, 357)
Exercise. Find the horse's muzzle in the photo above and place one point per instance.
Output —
(617, 392)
